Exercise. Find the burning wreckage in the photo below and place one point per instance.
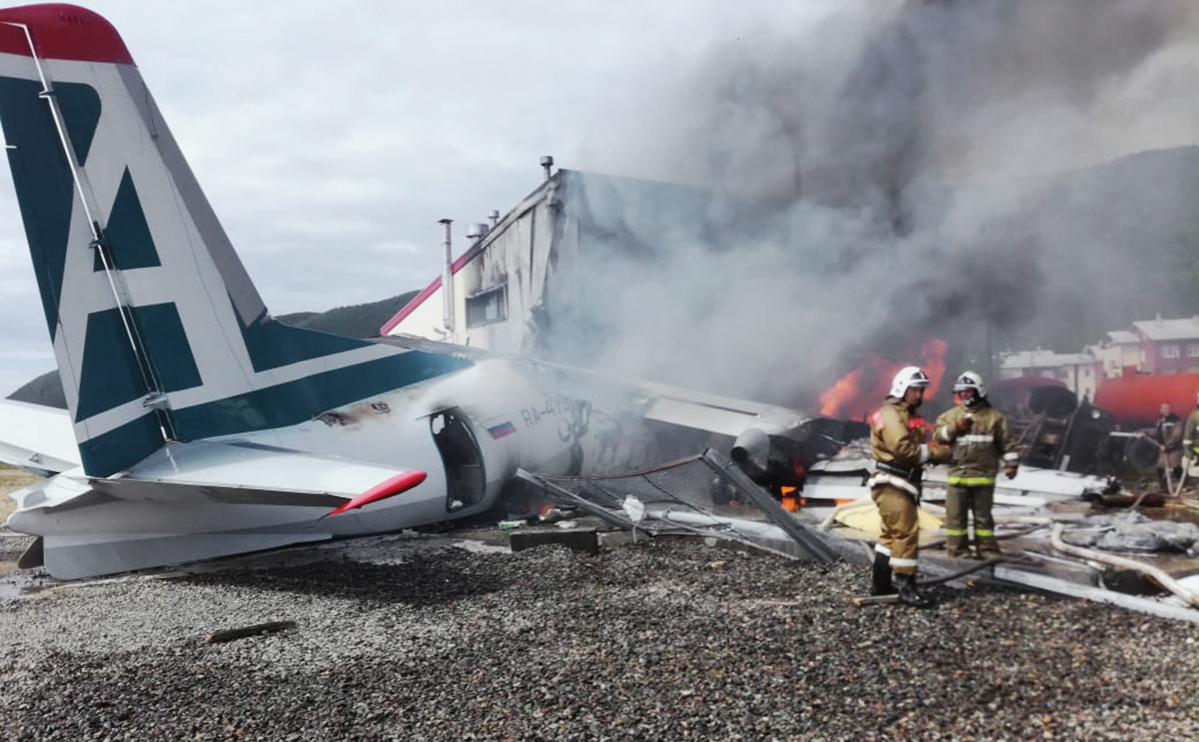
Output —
(1067, 525)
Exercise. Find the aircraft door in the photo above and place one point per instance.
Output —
(466, 482)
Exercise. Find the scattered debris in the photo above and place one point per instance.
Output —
(228, 635)
(584, 540)
(1132, 532)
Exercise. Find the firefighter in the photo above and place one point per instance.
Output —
(897, 439)
(980, 439)
(1168, 435)
(1190, 436)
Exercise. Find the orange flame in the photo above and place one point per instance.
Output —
(841, 393)
(932, 356)
(856, 394)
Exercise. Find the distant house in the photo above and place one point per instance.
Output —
(1080, 372)
(1121, 352)
(1168, 346)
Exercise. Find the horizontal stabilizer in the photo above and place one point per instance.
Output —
(248, 473)
(226, 474)
(36, 438)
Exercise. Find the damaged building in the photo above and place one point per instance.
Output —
(541, 279)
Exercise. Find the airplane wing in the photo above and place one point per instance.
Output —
(717, 414)
(37, 438)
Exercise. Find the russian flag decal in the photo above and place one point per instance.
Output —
(501, 430)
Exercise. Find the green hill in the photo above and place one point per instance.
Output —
(358, 320)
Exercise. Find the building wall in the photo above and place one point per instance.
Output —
(1177, 356)
(497, 283)
(550, 276)
(1119, 356)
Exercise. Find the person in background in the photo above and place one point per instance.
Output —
(981, 440)
(900, 452)
(1168, 435)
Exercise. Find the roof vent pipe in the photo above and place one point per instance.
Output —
(494, 216)
(477, 231)
(447, 281)
(547, 162)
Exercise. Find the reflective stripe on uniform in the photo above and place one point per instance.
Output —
(1011, 456)
(897, 562)
(977, 438)
(923, 452)
(955, 532)
(982, 533)
(882, 477)
(884, 550)
(970, 481)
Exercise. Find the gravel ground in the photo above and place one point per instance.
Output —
(658, 641)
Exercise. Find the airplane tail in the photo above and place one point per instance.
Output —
(158, 331)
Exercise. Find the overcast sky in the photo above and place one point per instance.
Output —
(330, 139)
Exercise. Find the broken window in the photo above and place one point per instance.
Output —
(487, 306)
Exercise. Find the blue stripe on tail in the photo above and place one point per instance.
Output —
(44, 186)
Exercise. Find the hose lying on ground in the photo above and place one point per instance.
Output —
(1176, 491)
(884, 599)
(1158, 575)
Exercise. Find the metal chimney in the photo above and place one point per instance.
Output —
(477, 231)
(547, 162)
(494, 216)
(447, 281)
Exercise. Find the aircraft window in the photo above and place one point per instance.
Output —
(463, 461)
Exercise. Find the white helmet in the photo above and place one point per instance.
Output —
(908, 376)
(970, 380)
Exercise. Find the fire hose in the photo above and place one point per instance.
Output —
(1173, 490)
(1158, 575)
(886, 599)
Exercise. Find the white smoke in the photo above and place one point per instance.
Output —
(872, 174)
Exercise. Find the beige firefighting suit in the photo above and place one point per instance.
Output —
(1168, 434)
(977, 454)
(897, 438)
(1190, 436)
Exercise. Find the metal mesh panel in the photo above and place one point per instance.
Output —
(703, 494)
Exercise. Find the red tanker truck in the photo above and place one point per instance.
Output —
(1133, 400)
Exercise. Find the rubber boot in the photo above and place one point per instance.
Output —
(957, 548)
(909, 594)
(989, 549)
(880, 577)
(880, 583)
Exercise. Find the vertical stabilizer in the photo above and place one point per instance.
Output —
(158, 331)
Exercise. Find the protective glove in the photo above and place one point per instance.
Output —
(939, 454)
(1009, 470)
(964, 423)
